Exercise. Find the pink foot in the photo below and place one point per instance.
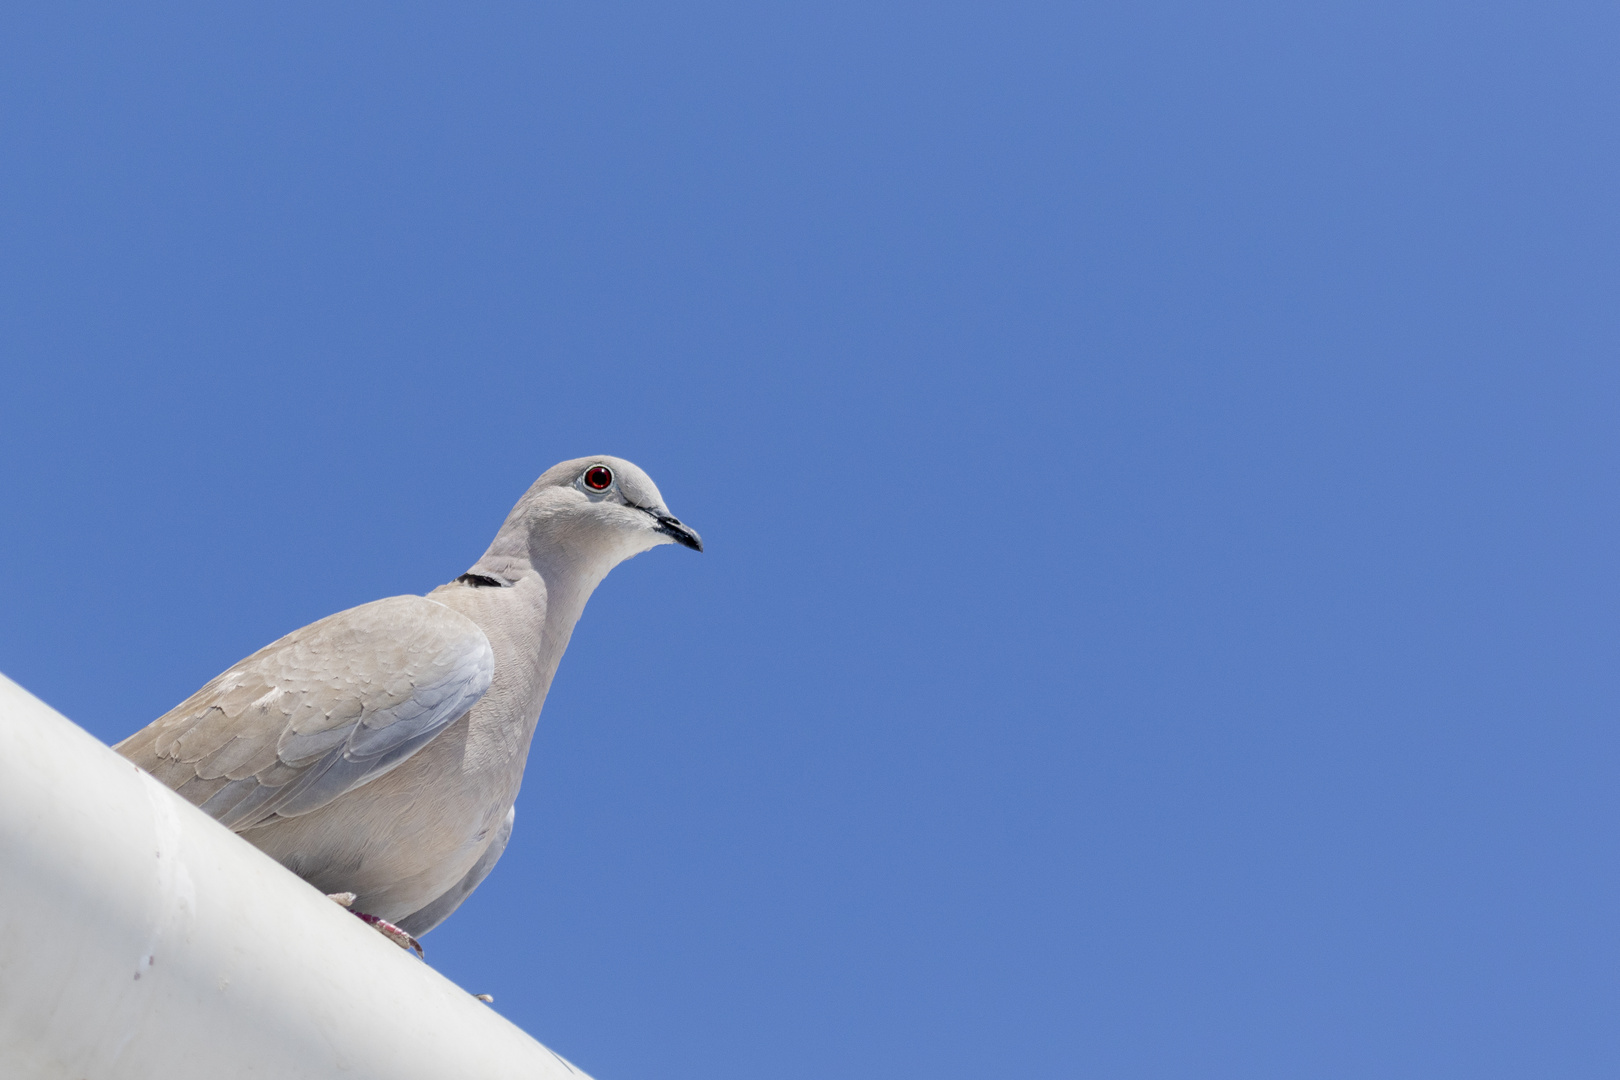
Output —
(391, 932)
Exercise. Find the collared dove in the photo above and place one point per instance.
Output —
(378, 751)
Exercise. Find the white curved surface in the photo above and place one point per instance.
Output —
(139, 938)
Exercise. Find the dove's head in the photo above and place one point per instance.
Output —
(586, 516)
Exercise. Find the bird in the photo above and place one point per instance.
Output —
(377, 753)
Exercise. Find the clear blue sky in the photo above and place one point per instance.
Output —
(1158, 463)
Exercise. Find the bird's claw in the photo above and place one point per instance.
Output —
(382, 926)
(392, 933)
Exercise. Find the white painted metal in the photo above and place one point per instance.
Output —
(139, 938)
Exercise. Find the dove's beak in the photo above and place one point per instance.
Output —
(672, 528)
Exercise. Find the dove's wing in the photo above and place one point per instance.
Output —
(320, 712)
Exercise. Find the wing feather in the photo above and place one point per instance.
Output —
(319, 713)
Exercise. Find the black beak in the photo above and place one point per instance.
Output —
(672, 528)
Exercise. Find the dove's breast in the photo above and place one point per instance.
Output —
(402, 840)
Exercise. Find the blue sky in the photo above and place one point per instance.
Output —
(1157, 463)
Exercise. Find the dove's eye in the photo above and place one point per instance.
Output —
(598, 477)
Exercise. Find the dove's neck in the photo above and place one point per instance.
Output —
(572, 554)
(527, 602)
(567, 572)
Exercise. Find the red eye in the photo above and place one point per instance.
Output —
(598, 477)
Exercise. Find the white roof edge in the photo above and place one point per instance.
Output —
(140, 938)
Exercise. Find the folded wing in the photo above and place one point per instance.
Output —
(325, 710)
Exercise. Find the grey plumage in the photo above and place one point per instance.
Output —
(420, 922)
(379, 750)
